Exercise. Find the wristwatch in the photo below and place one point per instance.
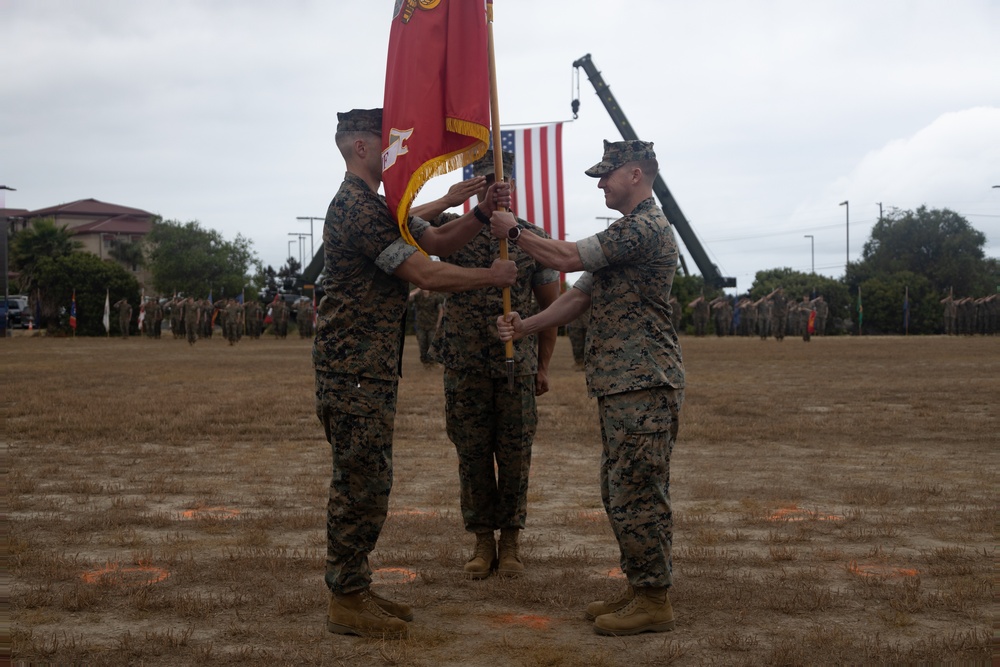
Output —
(513, 234)
(480, 216)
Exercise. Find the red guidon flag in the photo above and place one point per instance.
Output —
(436, 112)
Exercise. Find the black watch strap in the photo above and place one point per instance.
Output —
(480, 216)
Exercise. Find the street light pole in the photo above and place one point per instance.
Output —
(848, 213)
(812, 245)
(6, 286)
(301, 238)
(312, 247)
(879, 211)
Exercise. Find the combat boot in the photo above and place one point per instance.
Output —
(359, 614)
(648, 611)
(397, 609)
(484, 557)
(601, 607)
(509, 564)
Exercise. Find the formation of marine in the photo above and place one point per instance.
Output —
(968, 316)
(193, 319)
(772, 315)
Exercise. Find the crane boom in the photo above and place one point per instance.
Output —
(709, 271)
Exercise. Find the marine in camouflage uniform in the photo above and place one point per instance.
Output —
(779, 313)
(191, 316)
(279, 315)
(233, 321)
(356, 355)
(491, 425)
(822, 313)
(702, 310)
(428, 308)
(124, 316)
(634, 368)
(304, 318)
(764, 308)
(252, 313)
(174, 307)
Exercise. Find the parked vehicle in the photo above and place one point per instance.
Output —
(18, 312)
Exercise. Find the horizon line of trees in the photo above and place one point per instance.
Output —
(924, 256)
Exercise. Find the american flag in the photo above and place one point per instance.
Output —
(538, 176)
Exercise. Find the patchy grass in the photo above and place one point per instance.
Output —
(834, 502)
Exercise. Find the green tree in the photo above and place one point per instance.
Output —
(882, 298)
(290, 274)
(44, 239)
(129, 253)
(184, 257)
(938, 244)
(797, 284)
(91, 278)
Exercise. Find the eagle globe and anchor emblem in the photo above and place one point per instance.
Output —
(411, 6)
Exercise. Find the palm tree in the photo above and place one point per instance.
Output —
(44, 238)
(43, 241)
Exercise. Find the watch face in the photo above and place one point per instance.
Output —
(513, 233)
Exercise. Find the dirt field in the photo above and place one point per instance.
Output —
(835, 502)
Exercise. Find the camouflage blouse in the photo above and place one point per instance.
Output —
(359, 328)
(630, 268)
(471, 343)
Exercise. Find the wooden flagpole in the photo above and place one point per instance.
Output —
(498, 169)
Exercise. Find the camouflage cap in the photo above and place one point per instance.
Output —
(484, 165)
(619, 153)
(360, 120)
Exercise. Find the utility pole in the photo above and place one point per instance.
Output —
(847, 204)
(312, 246)
(4, 241)
(879, 211)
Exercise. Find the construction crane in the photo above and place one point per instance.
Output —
(709, 271)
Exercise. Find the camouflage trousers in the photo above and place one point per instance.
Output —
(577, 338)
(424, 339)
(638, 429)
(357, 414)
(492, 428)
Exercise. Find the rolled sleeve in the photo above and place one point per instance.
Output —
(591, 253)
(585, 283)
(395, 254)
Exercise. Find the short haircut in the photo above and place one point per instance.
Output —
(345, 141)
(649, 167)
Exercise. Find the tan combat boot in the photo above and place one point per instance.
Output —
(397, 609)
(484, 557)
(601, 607)
(510, 564)
(648, 611)
(359, 614)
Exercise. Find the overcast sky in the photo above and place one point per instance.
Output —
(765, 115)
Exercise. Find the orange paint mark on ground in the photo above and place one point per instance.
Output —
(223, 513)
(524, 620)
(795, 513)
(613, 573)
(393, 575)
(129, 575)
(876, 570)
